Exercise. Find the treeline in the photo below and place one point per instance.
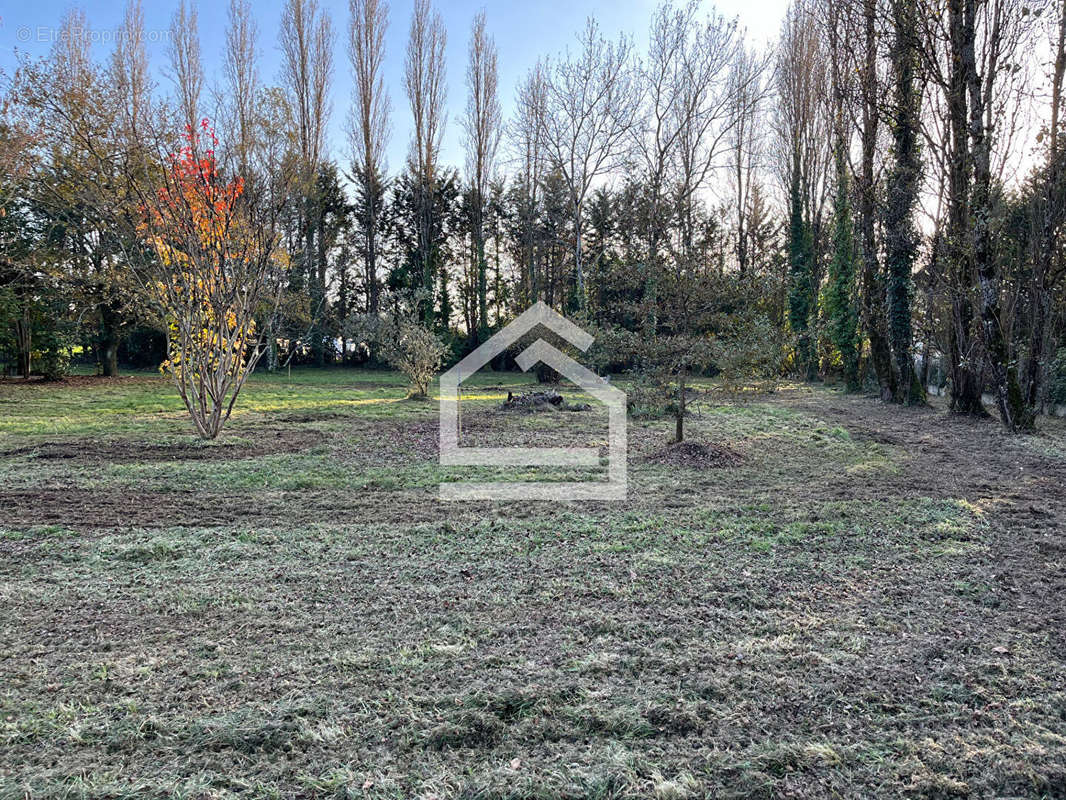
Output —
(921, 144)
(878, 199)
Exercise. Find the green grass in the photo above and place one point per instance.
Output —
(146, 402)
(861, 606)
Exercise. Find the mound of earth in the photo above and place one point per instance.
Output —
(696, 455)
(550, 400)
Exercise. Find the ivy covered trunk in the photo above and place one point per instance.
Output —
(873, 288)
(843, 315)
(901, 237)
(482, 270)
(801, 288)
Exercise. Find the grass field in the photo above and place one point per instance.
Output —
(842, 600)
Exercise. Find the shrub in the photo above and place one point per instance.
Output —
(405, 344)
(748, 352)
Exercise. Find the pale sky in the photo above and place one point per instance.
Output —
(523, 32)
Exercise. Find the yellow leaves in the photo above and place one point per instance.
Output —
(212, 341)
(282, 258)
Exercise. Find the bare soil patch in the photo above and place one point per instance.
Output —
(80, 381)
(940, 453)
(86, 510)
(300, 419)
(695, 455)
(125, 451)
(81, 509)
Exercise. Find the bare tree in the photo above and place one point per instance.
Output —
(803, 129)
(307, 51)
(983, 82)
(424, 82)
(944, 65)
(526, 140)
(746, 124)
(706, 99)
(307, 57)
(685, 120)
(657, 134)
(482, 129)
(590, 102)
(242, 78)
(186, 68)
(368, 127)
(971, 55)
(129, 71)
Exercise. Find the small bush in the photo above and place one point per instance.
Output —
(404, 343)
(53, 358)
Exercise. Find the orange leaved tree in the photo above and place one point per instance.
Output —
(214, 271)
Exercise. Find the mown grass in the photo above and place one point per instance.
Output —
(146, 403)
(860, 606)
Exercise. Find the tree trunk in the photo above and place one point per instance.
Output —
(966, 379)
(482, 268)
(425, 235)
(498, 284)
(966, 373)
(901, 239)
(742, 237)
(801, 285)
(109, 339)
(579, 268)
(873, 290)
(679, 419)
(1012, 410)
(320, 283)
(24, 344)
(1043, 261)
(309, 270)
(372, 288)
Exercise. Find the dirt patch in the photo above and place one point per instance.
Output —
(936, 452)
(81, 509)
(81, 381)
(695, 455)
(305, 418)
(126, 451)
(86, 510)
